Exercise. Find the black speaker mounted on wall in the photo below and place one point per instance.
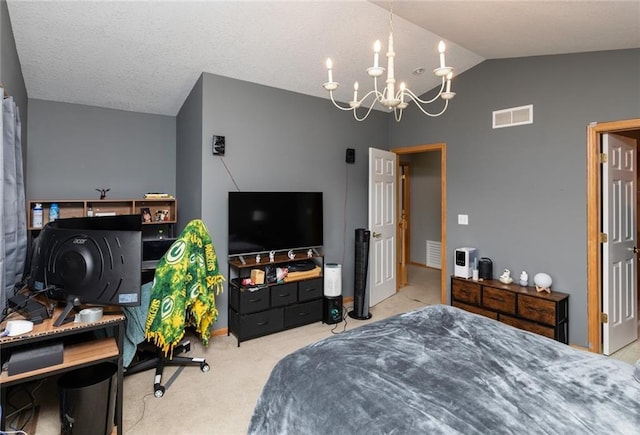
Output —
(351, 155)
(218, 144)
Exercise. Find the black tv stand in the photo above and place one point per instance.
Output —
(72, 303)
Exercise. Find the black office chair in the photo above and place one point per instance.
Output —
(150, 356)
(176, 272)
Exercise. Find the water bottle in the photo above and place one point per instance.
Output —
(37, 216)
(54, 212)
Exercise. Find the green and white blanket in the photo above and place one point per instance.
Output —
(185, 284)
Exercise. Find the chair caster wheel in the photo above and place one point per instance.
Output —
(204, 367)
(159, 392)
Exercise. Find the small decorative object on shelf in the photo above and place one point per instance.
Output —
(291, 254)
(37, 216)
(103, 192)
(543, 282)
(272, 256)
(146, 214)
(524, 278)
(309, 253)
(258, 258)
(157, 195)
(505, 278)
(162, 215)
(54, 212)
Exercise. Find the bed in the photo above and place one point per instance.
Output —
(441, 370)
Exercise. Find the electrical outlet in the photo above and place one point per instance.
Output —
(463, 219)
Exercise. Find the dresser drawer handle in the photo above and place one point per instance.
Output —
(251, 301)
(284, 295)
(262, 323)
(303, 314)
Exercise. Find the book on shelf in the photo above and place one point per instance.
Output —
(157, 195)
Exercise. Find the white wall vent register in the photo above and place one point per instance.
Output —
(513, 116)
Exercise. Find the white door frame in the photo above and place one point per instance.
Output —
(594, 204)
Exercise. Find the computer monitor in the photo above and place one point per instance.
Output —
(94, 260)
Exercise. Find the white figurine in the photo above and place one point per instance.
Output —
(272, 256)
(291, 255)
(257, 258)
(524, 278)
(505, 278)
(309, 253)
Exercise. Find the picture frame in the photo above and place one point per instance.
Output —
(145, 214)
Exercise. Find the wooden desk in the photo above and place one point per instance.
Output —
(77, 355)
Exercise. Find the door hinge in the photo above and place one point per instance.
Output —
(603, 158)
(604, 238)
(604, 318)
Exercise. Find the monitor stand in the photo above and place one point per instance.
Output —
(72, 302)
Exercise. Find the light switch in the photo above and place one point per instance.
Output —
(463, 219)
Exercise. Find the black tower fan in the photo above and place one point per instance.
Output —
(360, 303)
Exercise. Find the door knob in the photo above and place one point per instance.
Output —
(376, 235)
(634, 249)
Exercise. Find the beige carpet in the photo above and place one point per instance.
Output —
(222, 400)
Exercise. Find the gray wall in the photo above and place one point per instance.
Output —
(425, 202)
(75, 149)
(524, 188)
(279, 140)
(189, 146)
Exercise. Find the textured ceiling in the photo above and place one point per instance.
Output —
(145, 56)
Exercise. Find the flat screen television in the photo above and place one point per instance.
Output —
(94, 260)
(274, 221)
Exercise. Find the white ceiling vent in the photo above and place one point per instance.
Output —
(513, 116)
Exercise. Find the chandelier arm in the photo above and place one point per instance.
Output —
(397, 113)
(417, 99)
(379, 96)
(433, 115)
(373, 103)
(376, 98)
(336, 104)
(355, 115)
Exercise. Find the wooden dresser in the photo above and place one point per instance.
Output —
(523, 307)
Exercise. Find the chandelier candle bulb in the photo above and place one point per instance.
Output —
(441, 48)
(376, 54)
(449, 77)
(355, 91)
(402, 88)
(329, 66)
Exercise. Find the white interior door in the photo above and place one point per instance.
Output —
(619, 263)
(382, 224)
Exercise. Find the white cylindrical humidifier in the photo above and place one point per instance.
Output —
(332, 279)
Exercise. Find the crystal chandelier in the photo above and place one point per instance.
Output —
(389, 97)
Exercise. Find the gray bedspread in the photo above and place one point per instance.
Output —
(441, 370)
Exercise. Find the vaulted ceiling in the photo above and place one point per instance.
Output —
(145, 56)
